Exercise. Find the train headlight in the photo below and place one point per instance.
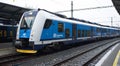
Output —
(18, 44)
(32, 34)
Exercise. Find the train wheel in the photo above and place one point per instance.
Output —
(58, 46)
(47, 49)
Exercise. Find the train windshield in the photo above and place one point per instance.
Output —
(28, 20)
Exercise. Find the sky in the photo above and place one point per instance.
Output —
(102, 16)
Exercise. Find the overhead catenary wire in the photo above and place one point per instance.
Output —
(101, 7)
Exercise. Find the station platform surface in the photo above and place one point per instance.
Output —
(111, 58)
(6, 45)
(7, 49)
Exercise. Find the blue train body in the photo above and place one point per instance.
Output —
(40, 29)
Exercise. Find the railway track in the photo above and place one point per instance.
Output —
(28, 59)
(67, 62)
(63, 57)
(12, 57)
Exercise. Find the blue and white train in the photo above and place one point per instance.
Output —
(40, 28)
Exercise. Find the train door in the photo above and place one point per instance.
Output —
(74, 31)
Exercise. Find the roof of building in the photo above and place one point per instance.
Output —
(117, 5)
(11, 12)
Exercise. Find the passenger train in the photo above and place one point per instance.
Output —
(40, 28)
(7, 31)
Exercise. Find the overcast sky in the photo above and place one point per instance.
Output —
(102, 16)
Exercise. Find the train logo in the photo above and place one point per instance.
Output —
(24, 34)
(57, 36)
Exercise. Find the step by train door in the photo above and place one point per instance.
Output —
(74, 31)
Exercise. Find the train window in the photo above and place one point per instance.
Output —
(104, 30)
(98, 30)
(89, 33)
(5, 33)
(0, 33)
(82, 33)
(60, 27)
(48, 23)
(86, 33)
(79, 33)
(27, 22)
(67, 33)
(11, 33)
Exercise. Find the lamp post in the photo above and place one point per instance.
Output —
(71, 9)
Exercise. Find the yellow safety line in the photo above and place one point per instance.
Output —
(6, 49)
(116, 59)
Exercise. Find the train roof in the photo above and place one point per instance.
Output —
(54, 16)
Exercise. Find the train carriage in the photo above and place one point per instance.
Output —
(7, 33)
(40, 28)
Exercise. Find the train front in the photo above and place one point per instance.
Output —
(22, 43)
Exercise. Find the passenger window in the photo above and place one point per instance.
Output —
(48, 23)
(82, 33)
(79, 33)
(67, 33)
(1, 33)
(85, 33)
(97, 29)
(89, 33)
(11, 33)
(60, 27)
(5, 33)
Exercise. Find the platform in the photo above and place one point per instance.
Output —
(117, 59)
(6, 45)
(111, 58)
(6, 49)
